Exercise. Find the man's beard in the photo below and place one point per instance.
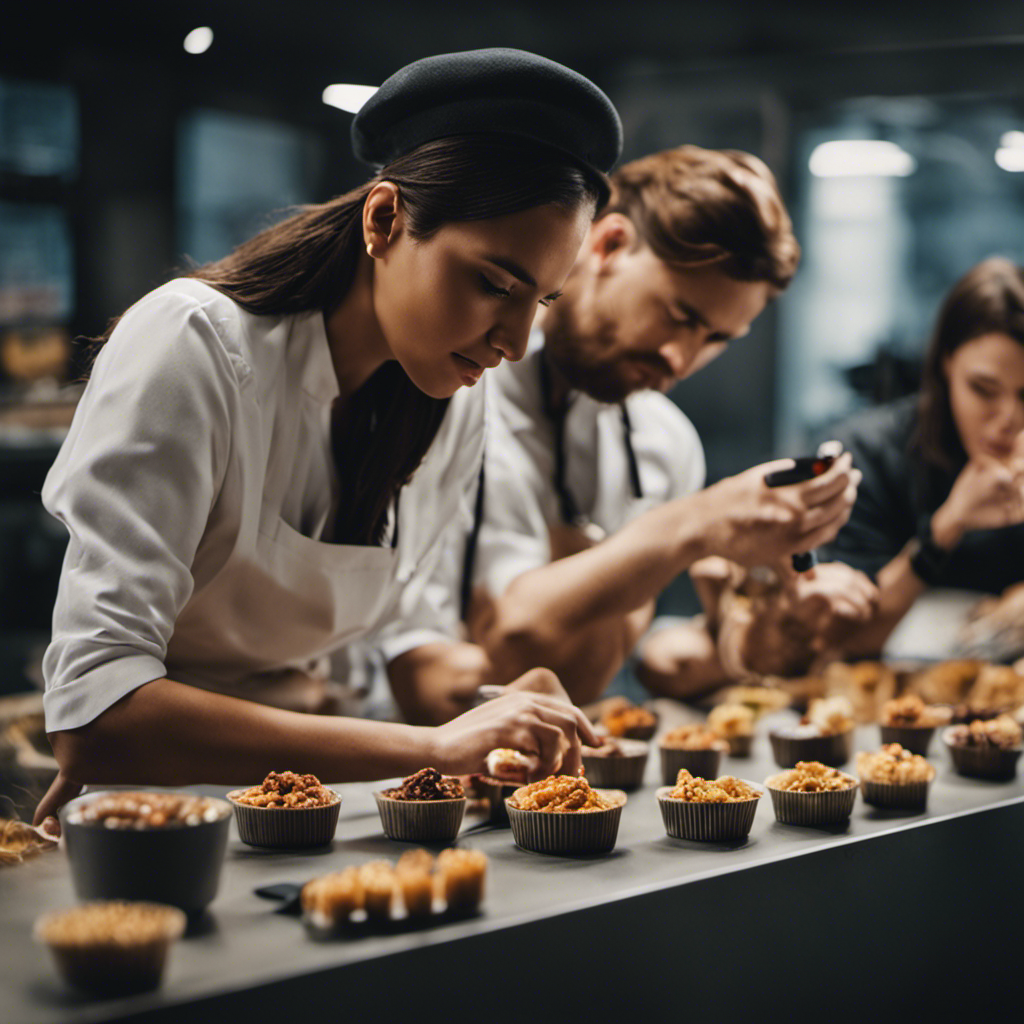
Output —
(581, 364)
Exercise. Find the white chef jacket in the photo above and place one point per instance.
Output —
(195, 482)
(521, 503)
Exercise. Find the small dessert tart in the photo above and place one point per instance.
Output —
(985, 749)
(734, 723)
(630, 721)
(427, 807)
(618, 763)
(111, 948)
(562, 814)
(894, 777)
(286, 810)
(812, 793)
(717, 810)
(824, 734)
(911, 723)
(695, 748)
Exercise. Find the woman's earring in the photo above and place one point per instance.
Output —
(369, 251)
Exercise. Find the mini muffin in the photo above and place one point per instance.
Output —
(910, 722)
(985, 749)
(330, 900)
(286, 810)
(562, 814)
(111, 948)
(629, 721)
(426, 807)
(812, 793)
(618, 763)
(379, 888)
(720, 810)
(824, 734)
(461, 875)
(694, 747)
(894, 777)
(414, 873)
(733, 723)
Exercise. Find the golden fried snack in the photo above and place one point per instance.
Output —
(725, 790)
(559, 794)
(331, 899)
(462, 874)
(379, 886)
(894, 765)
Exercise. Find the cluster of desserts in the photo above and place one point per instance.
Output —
(146, 811)
(418, 886)
(910, 711)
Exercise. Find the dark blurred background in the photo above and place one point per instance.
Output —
(122, 157)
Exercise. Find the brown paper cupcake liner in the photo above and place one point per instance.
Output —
(892, 794)
(827, 808)
(984, 762)
(701, 763)
(914, 738)
(285, 827)
(739, 746)
(831, 750)
(495, 792)
(114, 969)
(421, 821)
(566, 832)
(625, 772)
(706, 822)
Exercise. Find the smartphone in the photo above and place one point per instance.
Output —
(807, 467)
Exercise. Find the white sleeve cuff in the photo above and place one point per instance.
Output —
(79, 701)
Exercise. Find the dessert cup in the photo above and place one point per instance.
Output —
(285, 827)
(833, 749)
(618, 771)
(829, 807)
(111, 948)
(421, 821)
(996, 763)
(701, 763)
(915, 738)
(567, 832)
(707, 822)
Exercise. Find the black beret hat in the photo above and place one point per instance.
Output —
(498, 90)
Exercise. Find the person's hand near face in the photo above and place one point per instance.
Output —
(985, 377)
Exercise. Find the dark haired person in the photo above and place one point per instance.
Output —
(592, 499)
(268, 450)
(942, 501)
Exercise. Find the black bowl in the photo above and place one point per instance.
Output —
(178, 866)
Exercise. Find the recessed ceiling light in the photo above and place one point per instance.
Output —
(199, 40)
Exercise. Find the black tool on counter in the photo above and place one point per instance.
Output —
(806, 468)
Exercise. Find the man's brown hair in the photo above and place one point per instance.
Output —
(705, 207)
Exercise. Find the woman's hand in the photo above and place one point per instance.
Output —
(754, 524)
(988, 494)
(831, 599)
(540, 725)
(61, 791)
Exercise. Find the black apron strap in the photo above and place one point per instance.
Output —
(469, 557)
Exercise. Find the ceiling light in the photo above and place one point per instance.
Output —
(849, 157)
(348, 97)
(1012, 140)
(199, 40)
(1010, 158)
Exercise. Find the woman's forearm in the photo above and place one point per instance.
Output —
(166, 733)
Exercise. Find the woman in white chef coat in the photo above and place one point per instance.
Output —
(268, 450)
